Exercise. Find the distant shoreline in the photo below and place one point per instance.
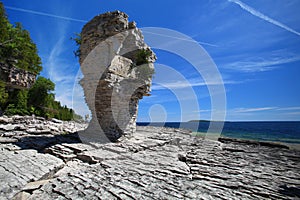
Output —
(286, 132)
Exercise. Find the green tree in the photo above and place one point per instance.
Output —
(3, 95)
(38, 94)
(17, 48)
(19, 107)
(21, 101)
(5, 30)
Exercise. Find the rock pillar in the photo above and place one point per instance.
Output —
(117, 66)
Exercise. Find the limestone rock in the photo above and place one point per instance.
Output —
(17, 78)
(38, 125)
(114, 76)
(155, 163)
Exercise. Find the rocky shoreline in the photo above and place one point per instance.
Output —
(45, 159)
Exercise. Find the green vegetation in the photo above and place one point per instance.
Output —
(77, 40)
(18, 50)
(38, 100)
(40, 92)
(3, 95)
(143, 56)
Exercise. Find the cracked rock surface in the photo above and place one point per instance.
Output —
(155, 163)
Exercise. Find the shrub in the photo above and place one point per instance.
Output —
(143, 56)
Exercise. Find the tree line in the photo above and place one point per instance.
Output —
(18, 50)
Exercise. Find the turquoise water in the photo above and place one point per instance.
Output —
(286, 132)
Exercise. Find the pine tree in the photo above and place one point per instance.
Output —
(21, 101)
(17, 48)
(40, 91)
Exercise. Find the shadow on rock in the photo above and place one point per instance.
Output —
(41, 142)
(289, 191)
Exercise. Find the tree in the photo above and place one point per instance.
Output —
(20, 105)
(3, 95)
(38, 94)
(17, 48)
(21, 101)
(5, 30)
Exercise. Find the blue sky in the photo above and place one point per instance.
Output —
(254, 44)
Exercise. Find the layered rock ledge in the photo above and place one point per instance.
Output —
(16, 78)
(155, 163)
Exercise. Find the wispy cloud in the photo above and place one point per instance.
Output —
(289, 108)
(246, 110)
(57, 66)
(179, 38)
(263, 17)
(188, 84)
(257, 109)
(45, 14)
(59, 70)
(204, 110)
(85, 21)
(268, 113)
(261, 65)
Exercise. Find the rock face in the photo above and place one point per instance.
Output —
(117, 66)
(16, 78)
(156, 163)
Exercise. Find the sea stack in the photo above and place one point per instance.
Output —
(117, 66)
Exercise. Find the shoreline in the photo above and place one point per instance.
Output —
(287, 145)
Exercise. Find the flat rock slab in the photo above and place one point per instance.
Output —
(19, 167)
(156, 163)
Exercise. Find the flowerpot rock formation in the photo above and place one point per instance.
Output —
(117, 66)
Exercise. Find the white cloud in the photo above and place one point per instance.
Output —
(289, 108)
(204, 110)
(263, 17)
(59, 70)
(56, 66)
(261, 65)
(178, 38)
(246, 110)
(188, 84)
(257, 109)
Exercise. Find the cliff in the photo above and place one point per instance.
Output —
(16, 78)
